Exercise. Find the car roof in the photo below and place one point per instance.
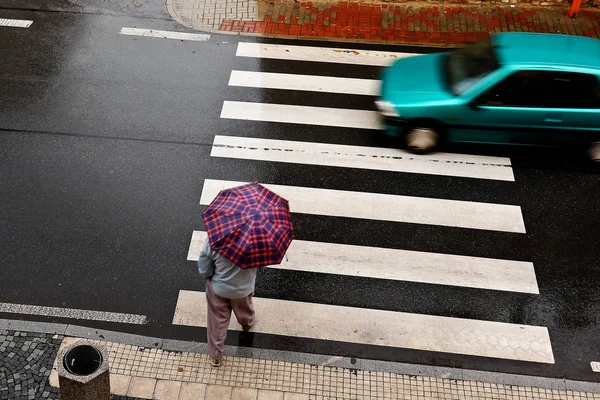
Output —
(547, 50)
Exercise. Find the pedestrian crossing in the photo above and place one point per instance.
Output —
(380, 327)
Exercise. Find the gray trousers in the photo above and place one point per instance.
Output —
(219, 313)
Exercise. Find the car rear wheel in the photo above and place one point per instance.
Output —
(422, 139)
(594, 151)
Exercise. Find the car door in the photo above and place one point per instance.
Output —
(575, 106)
(514, 111)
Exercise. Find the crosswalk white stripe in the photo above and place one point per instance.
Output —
(387, 207)
(400, 265)
(446, 164)
(154, 33)
(319, 54)
(301, 115)
(15, 23)
(311, 83)
(383, 328)
(198, 238)
(72, 313)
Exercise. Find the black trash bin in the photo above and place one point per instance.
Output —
(82, 360)
(83, 372)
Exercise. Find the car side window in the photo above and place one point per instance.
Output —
(575, 90)
(520, 89)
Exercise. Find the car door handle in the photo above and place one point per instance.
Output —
(554, 120)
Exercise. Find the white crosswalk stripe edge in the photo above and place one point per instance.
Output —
(154, 33)
(386, 207)
(304, 115)
(446, 164)
(401, 265)
(311, 83)
(319, 54)
(72, 313)
(15, 23)
(383, 328)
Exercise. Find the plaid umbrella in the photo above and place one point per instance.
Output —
(250, 225)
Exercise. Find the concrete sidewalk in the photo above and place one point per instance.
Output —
(165, 375)
(151, 368)
(446, 25)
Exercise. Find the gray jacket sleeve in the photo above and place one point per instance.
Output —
(206, 265)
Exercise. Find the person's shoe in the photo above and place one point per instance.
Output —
(215, 362)
(246, 328)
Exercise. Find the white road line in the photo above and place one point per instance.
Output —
(304, 115)
(198, 37)
(387, 207)
(383, 328)
(400, 265)
(319, 54)
(72, 313)
(15, 23)
(446, 164)
(310, 83)
(595, 366)
(198, 238)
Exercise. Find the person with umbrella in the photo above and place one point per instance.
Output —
(249, 227)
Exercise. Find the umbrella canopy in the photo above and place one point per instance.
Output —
(250, 225)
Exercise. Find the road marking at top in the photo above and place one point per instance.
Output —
(383, 159)
(15, 23)
(388, 207)
(383, 328)
(319, 54)
(400, 265)
(310, 83)
(198, 37)
(305, 115)
(73, 313)
(595, 366)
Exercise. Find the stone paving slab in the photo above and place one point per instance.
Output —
(377, 22)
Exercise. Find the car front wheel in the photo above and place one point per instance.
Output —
(594, 151)
(422, 139)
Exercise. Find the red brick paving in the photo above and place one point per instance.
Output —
(425, 25)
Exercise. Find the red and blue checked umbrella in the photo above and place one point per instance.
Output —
(250, 225)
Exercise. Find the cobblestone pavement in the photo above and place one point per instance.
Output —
(25, 364)
(380, 22)
(26, 361)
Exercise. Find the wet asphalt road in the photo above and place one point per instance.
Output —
(105, 144)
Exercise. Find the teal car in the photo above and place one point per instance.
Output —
(512, 88)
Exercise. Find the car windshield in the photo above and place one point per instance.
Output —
(466, 66)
